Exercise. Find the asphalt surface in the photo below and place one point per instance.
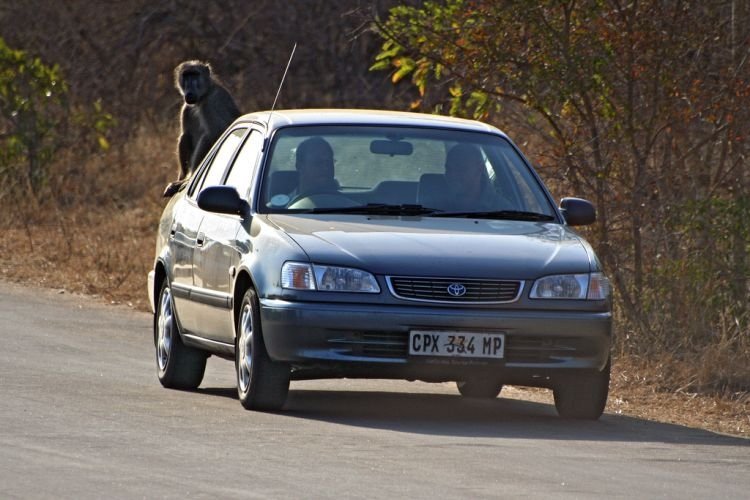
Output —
(82, 415)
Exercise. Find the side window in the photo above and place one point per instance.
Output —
(215, 171)
(244, 164)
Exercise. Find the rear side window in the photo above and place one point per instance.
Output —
(213, 174)
(243, 167)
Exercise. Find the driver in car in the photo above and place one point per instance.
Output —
(468, 186)
(314, 165)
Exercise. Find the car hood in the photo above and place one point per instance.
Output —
(424, 246)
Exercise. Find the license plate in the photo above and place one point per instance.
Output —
(456, 344)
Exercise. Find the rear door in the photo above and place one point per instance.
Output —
(185, 236)
(183, 233)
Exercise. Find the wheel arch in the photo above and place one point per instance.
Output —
(243, 282)
(160, 274)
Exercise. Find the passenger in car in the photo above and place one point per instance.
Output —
(314, 165)
(466, 176)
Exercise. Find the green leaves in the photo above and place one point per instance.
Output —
(30, 97)
(36, 113)
(404, 66)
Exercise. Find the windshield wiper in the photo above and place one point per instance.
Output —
(499, 214)
(374, 209)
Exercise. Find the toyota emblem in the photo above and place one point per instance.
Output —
(456, 289)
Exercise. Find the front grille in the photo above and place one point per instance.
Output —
(477, 291)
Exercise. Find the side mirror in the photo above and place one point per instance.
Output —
(577, 211)
(223, 200)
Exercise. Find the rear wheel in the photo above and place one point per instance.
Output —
(177, 365)
(584, 395)
(479, 388)
(262, 384)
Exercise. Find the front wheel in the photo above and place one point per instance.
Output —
(262, 384)
(584, 395)
(177, 365)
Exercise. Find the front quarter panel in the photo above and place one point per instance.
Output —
(264, 248)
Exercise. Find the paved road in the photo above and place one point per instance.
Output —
(83, 416)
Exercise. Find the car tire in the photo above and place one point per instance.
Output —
(583, 396)
(479, 388)
(262, 384)
(177, 365)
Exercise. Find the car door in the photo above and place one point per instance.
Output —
(217, 256)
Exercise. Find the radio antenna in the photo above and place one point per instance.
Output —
(281, 84)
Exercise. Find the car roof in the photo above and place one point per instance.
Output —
(298, 117)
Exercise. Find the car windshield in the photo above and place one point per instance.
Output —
(393, 170)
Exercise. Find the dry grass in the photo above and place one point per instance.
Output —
(76, 255)
(653, 391)
(94, 234)
(94, 231)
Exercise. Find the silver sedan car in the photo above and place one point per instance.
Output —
(350, 243)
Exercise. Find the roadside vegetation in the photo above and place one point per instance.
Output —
(642, 108)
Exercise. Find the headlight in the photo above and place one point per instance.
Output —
(344, 279)
(593, 286)
(302, 276)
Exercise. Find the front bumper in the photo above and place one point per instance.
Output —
(375, 338)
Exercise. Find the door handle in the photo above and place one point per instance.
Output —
(200, 239)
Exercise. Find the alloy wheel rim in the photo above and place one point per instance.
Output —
(165, 327)
(245, 348)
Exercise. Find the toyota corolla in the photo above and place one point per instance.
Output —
(342, 243)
